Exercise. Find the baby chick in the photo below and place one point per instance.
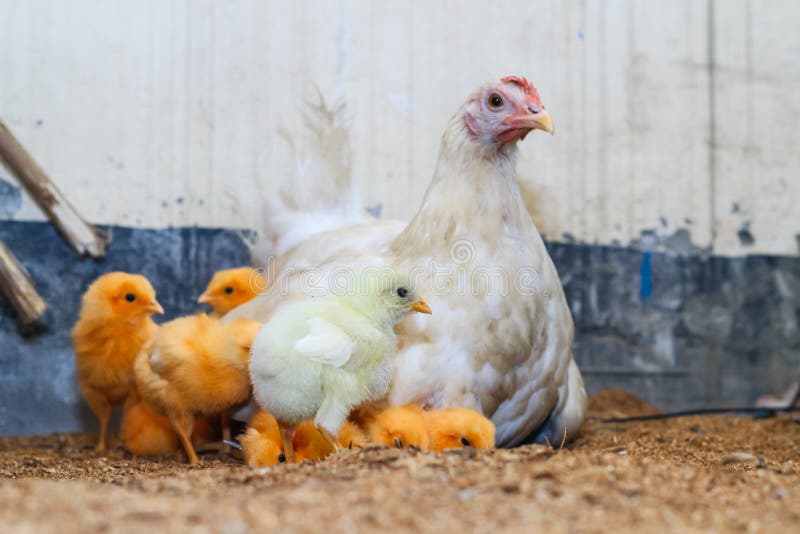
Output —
(144, 432)
(231, 287)
(318, 358)
(310, 444)
(261, 443)
(113, 324)
(195, 365)
(399, 427)
(451, 428)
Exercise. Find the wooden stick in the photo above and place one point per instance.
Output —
(18, 286)
(82, 236)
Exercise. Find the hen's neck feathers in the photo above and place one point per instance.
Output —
(473, 195)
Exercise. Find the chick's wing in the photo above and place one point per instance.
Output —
(326, 343)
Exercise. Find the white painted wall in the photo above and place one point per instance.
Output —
(154, 113)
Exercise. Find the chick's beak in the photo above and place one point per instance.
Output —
(155, 307)
(205, 298)
(422, 307)
(531, 120)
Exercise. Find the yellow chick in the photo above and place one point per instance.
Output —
(399, 427)
(231, 287)
(195, 365)
(451, 428)
(144, 432)
(261, 443)
(113, 324)
(310, 444)
(319, 358)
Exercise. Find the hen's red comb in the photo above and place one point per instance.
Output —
(532, 95)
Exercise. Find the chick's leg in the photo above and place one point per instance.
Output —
(99, 404)
(225, 422)
(182, 423)
(330, 417)
(332, 441)
(287, 436)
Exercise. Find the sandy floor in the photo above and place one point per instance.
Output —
(695, 474)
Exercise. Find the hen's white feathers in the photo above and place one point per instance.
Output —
(305, 205)
(504, 351)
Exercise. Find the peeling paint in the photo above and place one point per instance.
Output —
(679, 242)
(10, 199)
(745, 236)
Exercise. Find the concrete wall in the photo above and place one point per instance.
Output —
(671, 115)
(668, 195)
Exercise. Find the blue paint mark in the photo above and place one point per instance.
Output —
(375, 210)
(39, 122)
(646, 288)
(580, 36)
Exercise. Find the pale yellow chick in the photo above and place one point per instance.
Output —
(230, 288)
(113, 325)
(195, 365)
(452, 428)
(321, 357)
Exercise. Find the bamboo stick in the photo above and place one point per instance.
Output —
(82, 236)
(17, 285)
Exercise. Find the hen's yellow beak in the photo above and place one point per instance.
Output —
(543, 121)
(422, 307)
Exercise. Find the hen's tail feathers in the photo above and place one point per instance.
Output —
(320, 194)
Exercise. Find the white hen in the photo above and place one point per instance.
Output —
(502, 340)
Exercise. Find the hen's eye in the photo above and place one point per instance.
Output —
(402, 292)
(281, 458)
(495, 101)
(465, 442)
(228, 290)
(398, 443)
(130, 297)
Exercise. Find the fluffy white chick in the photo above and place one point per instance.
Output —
(318, 358)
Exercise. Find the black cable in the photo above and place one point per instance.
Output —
(763, 412)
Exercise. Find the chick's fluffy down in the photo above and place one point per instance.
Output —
(144, 432)
(295, 387)
(196, 365)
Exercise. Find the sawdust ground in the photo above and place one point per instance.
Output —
(694, 474)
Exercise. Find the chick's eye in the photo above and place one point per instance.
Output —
(228, 290)
(398, 443)
(402, 292)
(465, 442)
(281, 458)
(495, 101)
(130, 297)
